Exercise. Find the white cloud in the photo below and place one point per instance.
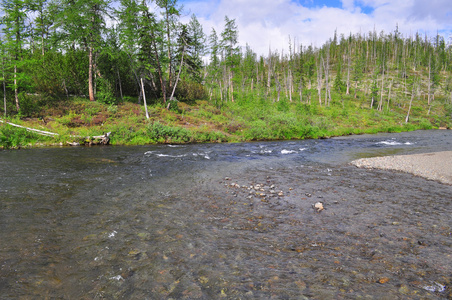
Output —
(264, 23)
(348, 5)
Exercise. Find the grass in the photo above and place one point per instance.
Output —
(201, 122)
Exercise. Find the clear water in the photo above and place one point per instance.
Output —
(230, 221)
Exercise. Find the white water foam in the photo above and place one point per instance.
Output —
(284, 151)
(205, 155)
(171, 156)
(394, 143)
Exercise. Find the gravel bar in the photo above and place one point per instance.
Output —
(434, 166)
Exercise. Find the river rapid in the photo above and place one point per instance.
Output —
(232, 221)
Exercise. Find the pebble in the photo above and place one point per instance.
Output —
(319, 206)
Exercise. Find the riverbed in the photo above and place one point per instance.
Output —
(232, 221)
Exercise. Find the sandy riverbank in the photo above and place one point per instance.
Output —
(435, 166)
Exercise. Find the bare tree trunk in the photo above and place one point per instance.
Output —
(231, 87)
(319, 80)
(4, 94)
(178, 76)
(301, 90)
(409, 108)
(279, 87)
(380, 105)
(144, 99)
(16, 91)
(120, 85)
(429, 80)
(168, 36)
(221, 91)
(269, 78)
(137, 81)
(327, 85)
(4, 86)
(90, 75)
(65, 88)
(389, 94)
(290, 85)
(348, 72)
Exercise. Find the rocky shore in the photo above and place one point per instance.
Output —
(434, 166)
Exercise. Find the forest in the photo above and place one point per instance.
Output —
(79, 66)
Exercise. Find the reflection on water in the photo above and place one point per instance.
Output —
(224, 221)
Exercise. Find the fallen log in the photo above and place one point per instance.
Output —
(41, 132)
(95, 140)
(91, 140)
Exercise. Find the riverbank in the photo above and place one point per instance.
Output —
(434, 166)
(202, 122)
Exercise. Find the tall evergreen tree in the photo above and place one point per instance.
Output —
(229, 41)
(15, 30)
(83, 23)
(197, 47)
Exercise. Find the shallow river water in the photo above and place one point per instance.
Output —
(232, 221)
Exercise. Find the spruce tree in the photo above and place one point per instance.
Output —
(15, 30)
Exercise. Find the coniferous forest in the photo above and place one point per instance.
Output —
(81, 68)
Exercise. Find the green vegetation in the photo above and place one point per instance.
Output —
(203, 122)
(64, 70)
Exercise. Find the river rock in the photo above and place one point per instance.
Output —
(318, 206)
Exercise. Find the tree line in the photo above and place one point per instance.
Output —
(141, 48)
(81, 47)
(380, 67)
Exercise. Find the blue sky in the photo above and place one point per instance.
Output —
(269, 23)
(333, 3)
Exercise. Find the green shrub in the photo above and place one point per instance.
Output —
(283, 105)
(105, 92)
(425, 124)
(172, 104)
(258, 130)
(14, 137)
(204, 136)
(28, 105)
(157, 132)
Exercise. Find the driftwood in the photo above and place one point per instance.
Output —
(99, 139)
(94, 140)
(90, 141)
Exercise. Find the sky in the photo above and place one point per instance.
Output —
(270, 23)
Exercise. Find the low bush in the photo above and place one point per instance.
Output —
(14, 137)
(159, 132)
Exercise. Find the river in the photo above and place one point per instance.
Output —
(232, 221)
